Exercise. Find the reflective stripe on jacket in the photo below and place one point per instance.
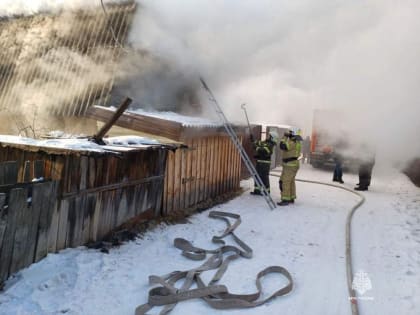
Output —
(263, 150)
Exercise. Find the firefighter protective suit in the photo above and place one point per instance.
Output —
(365, 169)
(263, 152)
(291, 148)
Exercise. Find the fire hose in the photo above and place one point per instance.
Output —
(349, 265)
(216, 295)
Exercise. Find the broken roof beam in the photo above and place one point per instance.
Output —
(151, 125)
(111, 121)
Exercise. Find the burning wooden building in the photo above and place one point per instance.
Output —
(64, 193)
(205, 167)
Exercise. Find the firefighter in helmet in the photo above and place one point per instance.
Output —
(263, 151)
(291, 147)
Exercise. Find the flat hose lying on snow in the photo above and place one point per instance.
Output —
(349, 265)
(215, 294)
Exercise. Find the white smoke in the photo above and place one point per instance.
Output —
(29, 7)
(286, 58)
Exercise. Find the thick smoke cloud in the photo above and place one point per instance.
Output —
(155, 83)
(286, 58)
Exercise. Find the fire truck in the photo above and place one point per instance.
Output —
(329, 136)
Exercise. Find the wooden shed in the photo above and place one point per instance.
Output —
(207, 166)
(54, 196)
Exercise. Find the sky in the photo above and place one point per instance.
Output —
(284, 59)
(306, 238)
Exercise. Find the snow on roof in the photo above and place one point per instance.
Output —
(119, 144)
(130, 140)
(273, 125)
(186, 121)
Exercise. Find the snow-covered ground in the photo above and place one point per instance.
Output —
(307, 238)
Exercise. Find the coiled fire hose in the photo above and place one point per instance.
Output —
(216, 295)
(349, 265)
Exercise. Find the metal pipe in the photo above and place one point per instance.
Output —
(246, 116)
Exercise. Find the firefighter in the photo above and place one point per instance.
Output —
(365, 168)
(339, 147)
(263, 151)
(291, 146)
(338, 167)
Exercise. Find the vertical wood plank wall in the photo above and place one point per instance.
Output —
(95, 195)
(209, 167)
(88, 196)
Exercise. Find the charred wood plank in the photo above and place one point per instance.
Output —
(19, 205)
(8, 172)
(3, 218)
(62, 224)
(41, 198)
(15, 200)
(55, 217)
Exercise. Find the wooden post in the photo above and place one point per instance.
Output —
(105, 128)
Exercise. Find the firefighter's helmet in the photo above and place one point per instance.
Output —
(295, 133)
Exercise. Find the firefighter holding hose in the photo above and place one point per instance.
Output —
(291, 148)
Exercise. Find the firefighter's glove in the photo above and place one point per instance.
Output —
(283, 146)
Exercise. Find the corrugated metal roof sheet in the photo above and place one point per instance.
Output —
(75, 146)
